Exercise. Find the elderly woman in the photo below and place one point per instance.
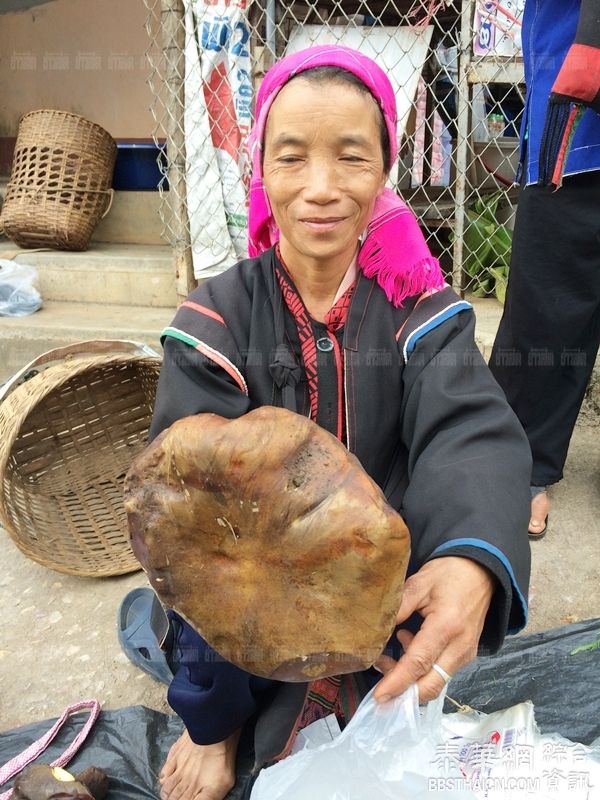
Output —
(342, 314)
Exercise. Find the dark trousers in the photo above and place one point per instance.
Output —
(548, 338)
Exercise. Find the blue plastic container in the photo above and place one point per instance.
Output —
(137, 167)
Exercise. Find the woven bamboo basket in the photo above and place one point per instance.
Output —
(60, 183)
(71, 423)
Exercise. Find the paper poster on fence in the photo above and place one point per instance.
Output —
(218, 101)
(497, 27)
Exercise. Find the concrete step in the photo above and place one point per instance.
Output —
(116, 274)
(57, 324)
(133, 219)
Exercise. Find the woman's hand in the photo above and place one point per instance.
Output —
(453, 595)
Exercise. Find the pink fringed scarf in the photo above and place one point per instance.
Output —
(394, 251)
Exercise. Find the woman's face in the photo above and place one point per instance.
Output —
(322, 168)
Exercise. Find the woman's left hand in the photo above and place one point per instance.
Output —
(453, 595)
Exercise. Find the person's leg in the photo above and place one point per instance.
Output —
(214, 699)
(540, 509)
(193, 770)
(548, 337)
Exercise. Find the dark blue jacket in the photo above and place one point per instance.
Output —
(549, 28)
(424, 417)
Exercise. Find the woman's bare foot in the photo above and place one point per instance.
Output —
(540, 507)
(199, 771)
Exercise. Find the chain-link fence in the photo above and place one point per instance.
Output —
(457, 74)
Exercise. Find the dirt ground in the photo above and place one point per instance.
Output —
(59, 645)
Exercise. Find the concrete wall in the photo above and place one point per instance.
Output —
(84, 56)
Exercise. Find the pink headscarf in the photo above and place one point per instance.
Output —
(394, 251)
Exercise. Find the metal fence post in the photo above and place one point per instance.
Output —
(271, 29)
(173, 46)
(462, 141)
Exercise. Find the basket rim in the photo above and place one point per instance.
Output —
(27, 404)
(87, 347)
(65, 114)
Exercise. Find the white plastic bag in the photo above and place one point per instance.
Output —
(401, 751)
(384, 753)
(18, 295)
(503, 756)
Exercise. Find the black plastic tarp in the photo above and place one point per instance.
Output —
(564, 688)
(131, 744)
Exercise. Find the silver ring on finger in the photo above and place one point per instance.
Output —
(442, 673)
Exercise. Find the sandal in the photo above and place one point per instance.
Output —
(142, 626)
(535, 490)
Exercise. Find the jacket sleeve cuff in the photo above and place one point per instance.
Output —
(508, 609)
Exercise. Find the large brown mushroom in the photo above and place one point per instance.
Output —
(268, 536)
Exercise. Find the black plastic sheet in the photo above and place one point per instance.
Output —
(131, 744)
(564, 688)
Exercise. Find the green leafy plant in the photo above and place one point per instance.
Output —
(487, 246)
(586, 648)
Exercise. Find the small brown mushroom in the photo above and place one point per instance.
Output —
(96, 781)
(43, 782)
